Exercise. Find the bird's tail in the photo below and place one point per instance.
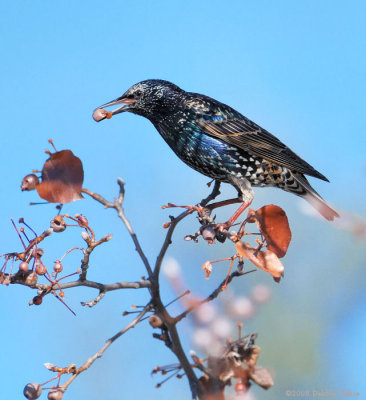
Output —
(315, 199)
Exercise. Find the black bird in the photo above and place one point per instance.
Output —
(219, 142)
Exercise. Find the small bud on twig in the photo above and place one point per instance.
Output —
(49, 366)
(85, 235)
(207, 267)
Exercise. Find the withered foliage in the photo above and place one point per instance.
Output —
(275, 231)
(273, 225)
(61, 178)
(238, 360)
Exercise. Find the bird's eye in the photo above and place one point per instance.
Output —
(138, 93)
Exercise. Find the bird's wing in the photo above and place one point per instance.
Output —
(247, 135)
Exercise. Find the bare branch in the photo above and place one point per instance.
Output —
(92, 303)
(103, 287)
(168, 239)
(213, 295)
(117, 205)
(100, 353)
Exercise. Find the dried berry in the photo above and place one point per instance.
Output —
(55, 394)
(240, 387)
(209, 234)
(37, 300)
(58, 267)
(41, 269)
(24, 266)
(32, 391)
(29, 182)
(58, 224)
(99, 114)
(155, 321)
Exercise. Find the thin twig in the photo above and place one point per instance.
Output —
(92, 303)
(100, 353)
(91, 246)
(168, 238)
(117, 205)
(213, 295)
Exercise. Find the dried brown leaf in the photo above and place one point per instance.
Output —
(262, 377)
(62, 178)
(266, 260)
(273, 224)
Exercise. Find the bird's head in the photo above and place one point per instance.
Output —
(148, 98)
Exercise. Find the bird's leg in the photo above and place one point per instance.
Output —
(237, 213)
(223, 203)
(224, 226)
(246, 196)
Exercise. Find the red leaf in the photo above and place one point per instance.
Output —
(62, 178)
(273, 224)
(266, 260)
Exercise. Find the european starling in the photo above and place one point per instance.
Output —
(219, 142)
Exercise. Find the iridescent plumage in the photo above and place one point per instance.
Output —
(219, 142)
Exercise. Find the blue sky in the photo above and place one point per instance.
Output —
(296, 68)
